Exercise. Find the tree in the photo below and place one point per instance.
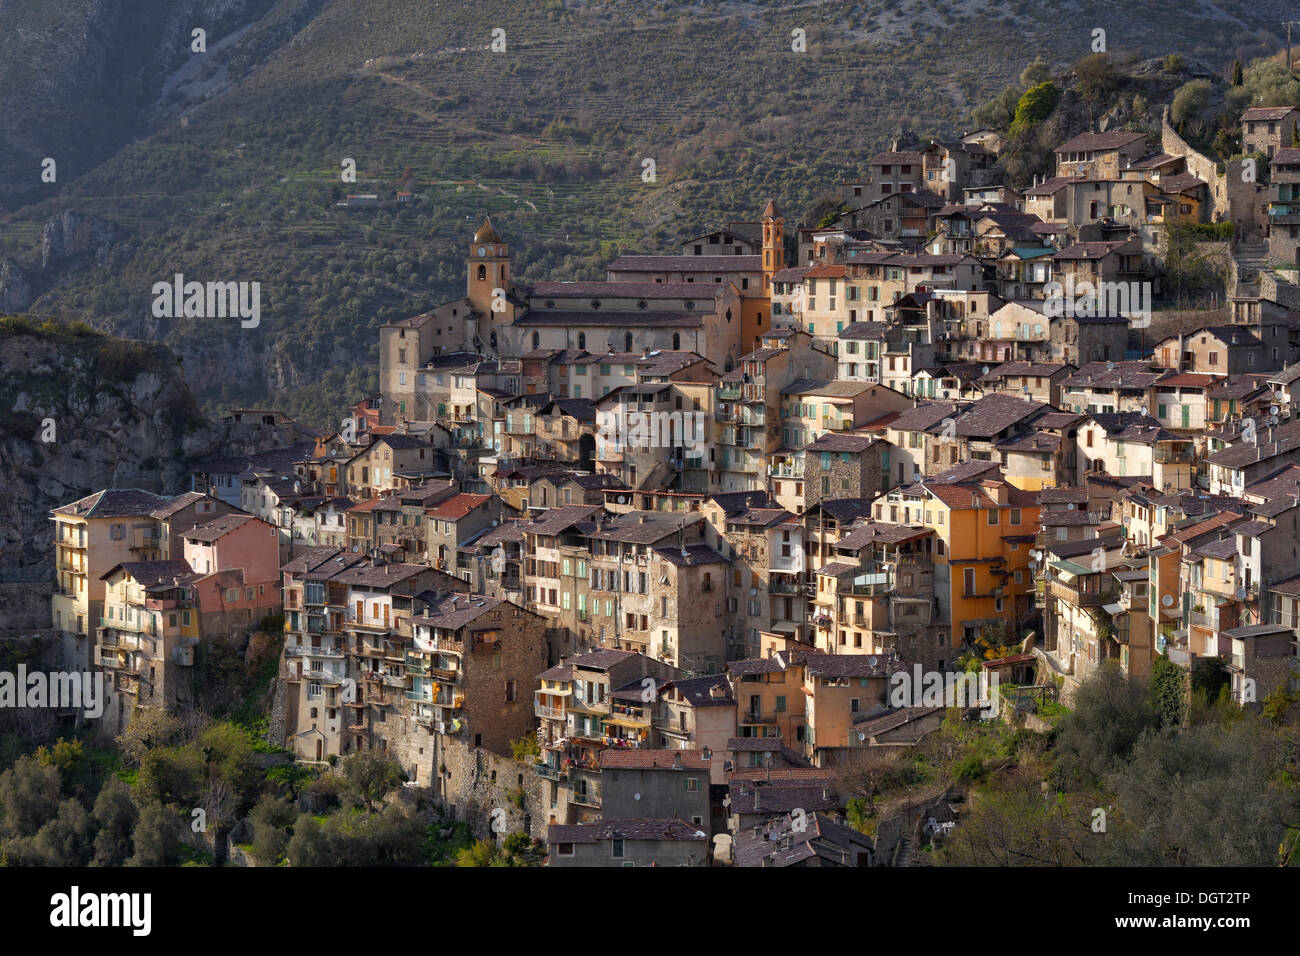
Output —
(115, 815)
(1211, 795)
(1095, 77)
(148, 727)
(1033, 108)
(866, 772)
(1000, 111)
(271, 819)
(156, 837)
(1038, 71)
(29, 795)
(371, 776)
(1168, 692)
(68, 839)
(1110, 713)
(1236, 73)
(1189, 102)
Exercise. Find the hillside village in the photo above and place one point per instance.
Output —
(631, 565)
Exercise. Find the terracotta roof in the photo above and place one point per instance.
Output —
(457, 507)
(615, 759)
(1095, 142)
(718, 263)
(646, 829)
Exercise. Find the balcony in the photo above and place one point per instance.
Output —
(784, 584)
(630, 716)
(324, 676)
(786, 471)
(146, 627)
(1079, 598)
(587, 798)
(553, 713)
(313, 651)
(550, 771)
(759, 716)
(372, 626)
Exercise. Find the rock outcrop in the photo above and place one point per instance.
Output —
(81, 412)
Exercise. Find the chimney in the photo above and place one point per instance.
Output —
(757, 796)
(677, 760)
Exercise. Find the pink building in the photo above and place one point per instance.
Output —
(238, 558)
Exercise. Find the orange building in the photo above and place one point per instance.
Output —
(984, 528)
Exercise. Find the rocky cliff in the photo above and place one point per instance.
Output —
(81, 411)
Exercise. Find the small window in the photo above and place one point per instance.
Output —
(617, 849)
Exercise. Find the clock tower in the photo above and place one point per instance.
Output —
(487, 279)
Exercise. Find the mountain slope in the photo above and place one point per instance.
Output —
(231, 168)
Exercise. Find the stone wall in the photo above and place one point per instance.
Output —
(473, 783)
(24, 606)
(1198, 164)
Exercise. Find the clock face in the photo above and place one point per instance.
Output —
(482, 251)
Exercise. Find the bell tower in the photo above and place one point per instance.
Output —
(773, 244)
(487, 283)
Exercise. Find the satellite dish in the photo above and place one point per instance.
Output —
(1241, 594)
(916, 476)
(1167, 600)
(494, 522)
(986, 370)
(1110, 366)
(872, 660)
(1069, 506)
(622, 500)
(1274, 410)
(861, 735)
(636, 796)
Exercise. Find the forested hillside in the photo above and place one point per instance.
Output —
(225, 165)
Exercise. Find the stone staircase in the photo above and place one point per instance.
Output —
(1252, 258)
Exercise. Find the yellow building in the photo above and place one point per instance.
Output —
(101, 531)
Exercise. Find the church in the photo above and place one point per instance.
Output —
(713, 301)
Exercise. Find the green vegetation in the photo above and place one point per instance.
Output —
(1033, 108)
(1127, 784)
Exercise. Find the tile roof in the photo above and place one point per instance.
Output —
(624, 290)
(210, 531)
(1095, 142)
(559, 519)
(698, 690)
(115, 503)
(457, 507)
(641, 828)
(154, 572)
(1136, 374)
(617, 759)
(1257, 113)
(718, 263)
(454, 611)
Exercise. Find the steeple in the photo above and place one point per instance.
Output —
(773, 244)
(487, 285)
(488, 233)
